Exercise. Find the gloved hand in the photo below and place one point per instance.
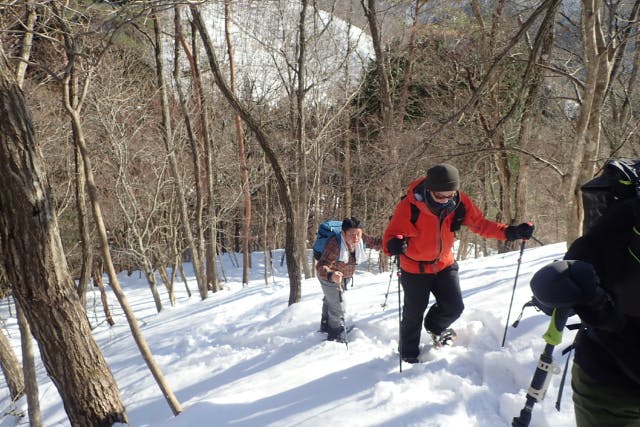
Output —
(602, 315)
(554, 287)
(397, 245)
(570, 283)
(522, 231)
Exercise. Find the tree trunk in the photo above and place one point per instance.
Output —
(168, 283)
(83, 229)
(386, 104)
(531, 111)
(173, 163)
(195, 142)
(29, 369)
(27, 42)
(302, 207)
(242, 157)
(590, 25)
(284, 191)
(97, 279)
(211, 227)
(34, 261)
(11, 368)
(72, 101)
(411, 49)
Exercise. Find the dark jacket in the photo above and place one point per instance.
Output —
(430, 239)
(612, 357)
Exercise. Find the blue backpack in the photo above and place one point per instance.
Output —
(326, 230)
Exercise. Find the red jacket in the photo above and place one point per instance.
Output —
(430, 241)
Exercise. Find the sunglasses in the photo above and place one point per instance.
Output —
(443, 196)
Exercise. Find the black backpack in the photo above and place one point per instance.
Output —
(619, 180)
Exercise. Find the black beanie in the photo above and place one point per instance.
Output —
(352, 222)
(442, 177)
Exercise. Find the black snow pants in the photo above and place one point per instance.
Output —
(448, 306)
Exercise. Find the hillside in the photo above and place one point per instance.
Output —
(244, 357)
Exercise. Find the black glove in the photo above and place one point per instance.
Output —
(554, 287)
(595, 308)
(569, 283)
(397, 246)
(602, 315)
(523, 231)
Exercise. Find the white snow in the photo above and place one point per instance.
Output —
(244, 357)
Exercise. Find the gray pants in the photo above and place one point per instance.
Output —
(333, 305)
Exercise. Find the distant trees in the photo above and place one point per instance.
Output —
(177, 132)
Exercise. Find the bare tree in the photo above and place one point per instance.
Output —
(83, 228)
(539, 58)
(74, 95)
(96, 273)
(29, 363)
(11, 368)
(44, 288)
(386, 103)
(242, 156)
(601, 47)
(26, 338)
(265, 141)
(167, 136)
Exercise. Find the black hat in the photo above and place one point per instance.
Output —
(352, 222)
(442, 177)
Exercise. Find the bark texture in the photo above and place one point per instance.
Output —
(33, 258)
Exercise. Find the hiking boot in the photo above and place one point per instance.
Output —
(337, 335)
(324, 325)
(411, 360)
(445, 339)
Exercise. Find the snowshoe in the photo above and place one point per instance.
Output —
(339, 335)
(445, 339)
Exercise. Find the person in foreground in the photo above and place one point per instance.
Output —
(421, 233)
(334, 269)
(600, 279)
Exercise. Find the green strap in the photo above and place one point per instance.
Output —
(553, 336)
(634, 246)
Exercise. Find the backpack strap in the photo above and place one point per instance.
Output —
(415, 213)
(458, 217)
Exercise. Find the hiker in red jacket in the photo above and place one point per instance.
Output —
(422, 232)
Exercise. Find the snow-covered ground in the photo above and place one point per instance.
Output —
(244, 357)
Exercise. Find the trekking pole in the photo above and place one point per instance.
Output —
(384, 304)
(506, 326)
(344, 313)
(399, 273)
(541, 377)
(538, 241)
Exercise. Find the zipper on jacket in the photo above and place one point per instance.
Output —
(443, 214)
